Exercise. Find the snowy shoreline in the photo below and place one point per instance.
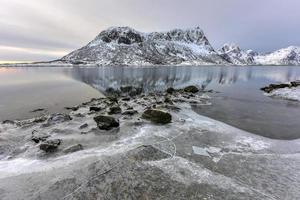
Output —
(288, 91)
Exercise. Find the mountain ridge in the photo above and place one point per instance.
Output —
(129, 47)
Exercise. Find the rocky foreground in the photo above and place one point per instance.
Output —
(132, 145)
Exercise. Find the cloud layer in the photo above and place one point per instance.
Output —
(45, 30)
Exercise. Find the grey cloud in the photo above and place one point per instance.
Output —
(262, 25)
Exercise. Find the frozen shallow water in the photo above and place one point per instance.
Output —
(194, 157)
(229, 145)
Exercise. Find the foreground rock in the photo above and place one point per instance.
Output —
(50, 145)
(157, 116)
(106, 122)
(272, 87)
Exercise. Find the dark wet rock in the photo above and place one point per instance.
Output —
(130, 112)
(112, 99)
(157, 116)
(272, 87)
(170, 90)
(112, 92)
(8, 122)
(168, 100)
(267, 89)
(295, 83)
(95, 108)
(74, 148)
(148, 153)
(38, 110)
(74, 108)
(191, 89)
(126, 99)
(136, 92)
(50, 145)
(114, 110)
(39, 137)
(126, 89)
(106, 122)
(83, 126)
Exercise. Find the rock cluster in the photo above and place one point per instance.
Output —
(104, 117)
(272, 87)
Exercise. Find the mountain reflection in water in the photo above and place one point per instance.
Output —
(160, 78)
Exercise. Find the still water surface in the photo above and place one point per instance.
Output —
(238, 100)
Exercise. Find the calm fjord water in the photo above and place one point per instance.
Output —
(238, 100)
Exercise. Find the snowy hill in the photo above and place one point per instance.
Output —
(126, 46)
(234, 55)
(286, 56)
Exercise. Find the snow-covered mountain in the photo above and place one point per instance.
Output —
(286, 56)
(126, 46)
(234, 55)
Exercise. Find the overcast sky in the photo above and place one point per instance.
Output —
(32, 30)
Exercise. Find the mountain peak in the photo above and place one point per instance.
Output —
(127, 46)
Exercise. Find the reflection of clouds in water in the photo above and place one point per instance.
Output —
(159, 78)
(279, 75)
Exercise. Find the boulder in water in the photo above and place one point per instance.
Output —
(106, 122)
(157, 116)
(50, 145)
(114, 110)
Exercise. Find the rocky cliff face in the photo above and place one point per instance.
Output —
(126, 46)
(234, 55)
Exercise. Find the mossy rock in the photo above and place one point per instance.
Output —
(157, 116)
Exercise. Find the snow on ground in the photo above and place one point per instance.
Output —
(286, 93)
